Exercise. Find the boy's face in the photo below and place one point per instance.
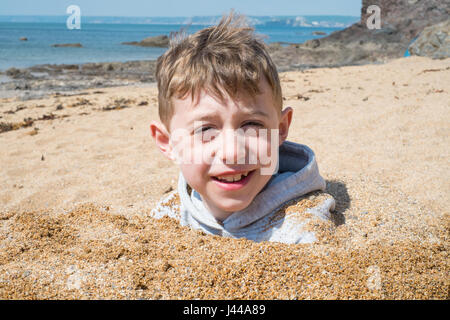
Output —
(226, 150)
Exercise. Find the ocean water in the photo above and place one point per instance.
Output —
(101, 37)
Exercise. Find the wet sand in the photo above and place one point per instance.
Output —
(80, 175)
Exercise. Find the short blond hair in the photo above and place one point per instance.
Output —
(227, 56)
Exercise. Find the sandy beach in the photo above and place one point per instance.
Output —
(80, 174)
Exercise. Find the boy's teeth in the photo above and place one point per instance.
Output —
(233, 178)
(228, 179)
(237, 177)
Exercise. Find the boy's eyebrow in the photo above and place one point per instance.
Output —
(213, 116)
(204, 117)
(257, 112)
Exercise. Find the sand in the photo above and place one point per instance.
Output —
(79, 175)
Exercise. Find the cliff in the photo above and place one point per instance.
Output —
(401, 21)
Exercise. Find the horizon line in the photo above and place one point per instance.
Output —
(218, 15)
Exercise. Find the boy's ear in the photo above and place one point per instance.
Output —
(285, 122)
(161, 136)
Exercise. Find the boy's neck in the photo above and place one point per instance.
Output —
(217, 213)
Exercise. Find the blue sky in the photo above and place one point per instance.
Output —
(174, 8)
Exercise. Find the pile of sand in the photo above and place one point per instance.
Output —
(77, 188)
(92, 253)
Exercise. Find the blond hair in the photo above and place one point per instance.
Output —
(227, 56)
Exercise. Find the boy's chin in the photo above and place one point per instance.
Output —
(233, 205)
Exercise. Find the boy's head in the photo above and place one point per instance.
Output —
(220, 104)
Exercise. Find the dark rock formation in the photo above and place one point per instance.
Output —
(433, 42)
(73, 45)
(158, 41)
(401, 22)
(40, 80)
(18, 73)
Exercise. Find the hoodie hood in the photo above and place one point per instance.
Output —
(297, 175)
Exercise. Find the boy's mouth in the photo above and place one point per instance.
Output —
(233, 180)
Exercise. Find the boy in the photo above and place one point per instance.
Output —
(220, 105)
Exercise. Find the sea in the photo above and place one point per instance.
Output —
(102, 37)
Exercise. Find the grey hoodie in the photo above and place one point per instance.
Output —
(266, 218)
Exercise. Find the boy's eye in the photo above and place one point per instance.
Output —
(202, 129)
(253, 124)
(205, 133)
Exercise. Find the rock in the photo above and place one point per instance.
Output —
(401, 22)
(4, 126)
(13, 72)
(433, 42)
(158, 41)
(23, 39)
(18, 73)
(72, 45)
(319, 33)
(161, 41)
(131, 43)
(315, 43)
(273, 46)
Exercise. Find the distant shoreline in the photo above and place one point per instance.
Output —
(28, 41)
(341, 20)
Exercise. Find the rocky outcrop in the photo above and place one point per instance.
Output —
(161, 41)
(433, 42)
(40, 80)
(73, 45)
(15, 73)
(401, 22)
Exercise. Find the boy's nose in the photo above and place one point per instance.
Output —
(232, 147)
